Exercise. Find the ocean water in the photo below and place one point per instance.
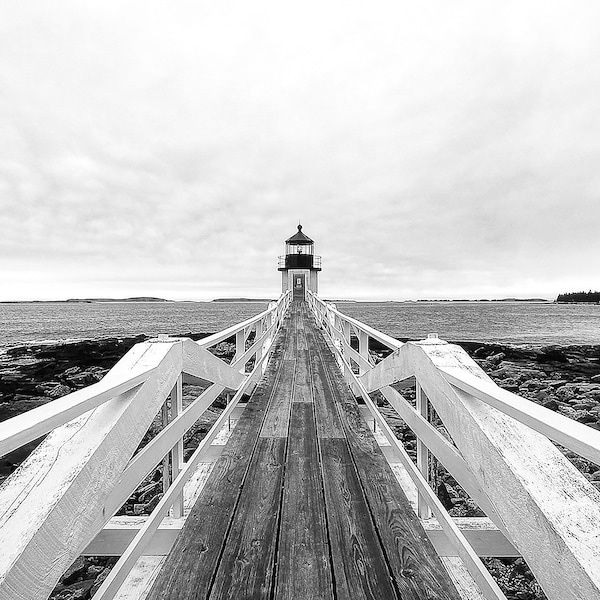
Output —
(506, 322)
(538, 323)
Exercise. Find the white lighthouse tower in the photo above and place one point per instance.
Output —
(299, 266)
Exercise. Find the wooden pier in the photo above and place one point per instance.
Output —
(301, 489)
(302, 503)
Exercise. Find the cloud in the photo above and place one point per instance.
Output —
(437, 149)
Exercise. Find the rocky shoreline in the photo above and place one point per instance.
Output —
(565, 379)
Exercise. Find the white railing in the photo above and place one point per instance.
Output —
(62, 497)
(500, 453)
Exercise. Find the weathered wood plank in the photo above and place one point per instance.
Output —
(327, 417)
(290, 325)
(360, 568)
(191, 564)
(302, 386)
(140, 578)
(247, 565)
(277, 419)
(417, 569)
(303, 568)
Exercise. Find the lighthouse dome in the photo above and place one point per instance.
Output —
(299, 238)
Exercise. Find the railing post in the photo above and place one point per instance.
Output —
(424, 511)
(363, 349)
(166, 478)
(240, 347)
(177, 451)
(346, 331)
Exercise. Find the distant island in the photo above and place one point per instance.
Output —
(87, 300)
(136, 299)
(587, 297)
(485, 300)
(242, 300)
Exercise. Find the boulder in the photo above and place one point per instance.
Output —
(551, 404)
(78, 591)
(99, 580)
(75, 571)
(59, 391)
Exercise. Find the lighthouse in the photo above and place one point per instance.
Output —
(299, 266)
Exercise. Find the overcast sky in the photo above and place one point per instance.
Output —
(431, 149)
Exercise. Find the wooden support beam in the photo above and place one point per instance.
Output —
(363, 350)
(423, 453)
(177, 451)
(550, 510)
(119, 532)
(35, 423)
(55, 499)
(463, 549)
(199, 362)
(444, 451)
(147, 458)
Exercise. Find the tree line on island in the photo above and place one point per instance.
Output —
(590, 296)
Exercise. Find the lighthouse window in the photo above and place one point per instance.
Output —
(298, 281)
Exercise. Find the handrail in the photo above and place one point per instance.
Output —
(331, 309)
(220, 336)
(60, 497)
(29, 426)
(118, 573)
(26, 427)
(571, 434)
(501, 451)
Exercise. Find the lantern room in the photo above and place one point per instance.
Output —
(299, 266)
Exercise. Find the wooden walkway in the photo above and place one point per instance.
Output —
(302, 504)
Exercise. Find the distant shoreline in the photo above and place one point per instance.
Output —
(87, 300)
(154, 300)
(243, 300)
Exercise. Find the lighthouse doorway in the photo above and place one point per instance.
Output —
(299, 284)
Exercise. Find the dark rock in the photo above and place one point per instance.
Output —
(85, 378)
(584, 405)
(59, 391)
(151, 505)
(71, 371)
(75, 571)
(444, 496)
(93, 571)
(566, 392)
(551, 404)
(510, 384)
(78, 591)
(585, 417)
(496, 359)
(146, 492)
(552, 353)
(99, 580)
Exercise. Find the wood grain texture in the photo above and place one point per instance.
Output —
(417, 570)
(247, 565)
(360, 568)
(302, 504)
(277, 419)
(52, 505)
(329, 424)
(304, 568)
(551, 512)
